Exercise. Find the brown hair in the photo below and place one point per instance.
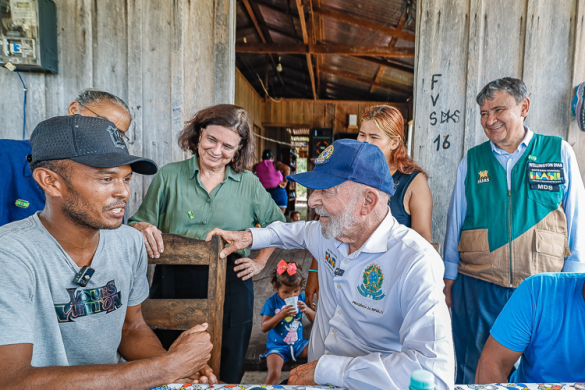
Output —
(226, 115)
(295, 280)
(390, 121)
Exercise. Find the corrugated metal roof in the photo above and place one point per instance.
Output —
(358, 23)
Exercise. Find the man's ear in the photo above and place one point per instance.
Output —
(51, 182)
(525, 107)
(371, 199)
(74, 108)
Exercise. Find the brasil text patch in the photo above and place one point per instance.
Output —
(545, 176)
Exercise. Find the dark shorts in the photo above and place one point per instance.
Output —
(285, 350)
(279, 195)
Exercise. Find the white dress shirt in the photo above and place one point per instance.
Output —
(382, 312)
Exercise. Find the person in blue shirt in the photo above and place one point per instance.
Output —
(20, 196)
(283, 321)
(544, 322)
(513, 213)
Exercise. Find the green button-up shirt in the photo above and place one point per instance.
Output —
(177, 202)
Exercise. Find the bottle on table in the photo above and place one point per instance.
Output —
(422, 380)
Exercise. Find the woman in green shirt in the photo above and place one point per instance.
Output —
(211, 190)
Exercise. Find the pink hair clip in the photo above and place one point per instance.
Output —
(283, 266)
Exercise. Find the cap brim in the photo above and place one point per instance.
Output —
(141, 165)
(316, 180)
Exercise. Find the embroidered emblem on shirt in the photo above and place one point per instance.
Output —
(483, 177)
(545, 176)
(190, 214)
(373, 279)
(324, 156)
(532, 158)
(330, 259)
(22, 203)
(91, 301)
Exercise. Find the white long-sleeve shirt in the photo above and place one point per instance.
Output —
(382, 312)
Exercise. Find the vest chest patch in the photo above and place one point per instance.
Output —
(545, 176)
(483, 177)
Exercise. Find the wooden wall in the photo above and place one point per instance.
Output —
(462, 45)
(166, 59)
(248, 98)
(318, 113)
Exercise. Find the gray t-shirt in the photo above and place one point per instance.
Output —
(40, 305)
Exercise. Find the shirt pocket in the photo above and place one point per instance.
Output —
(474, 247)
(550, 251)
(550, 199)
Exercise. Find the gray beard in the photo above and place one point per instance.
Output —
(337, 225)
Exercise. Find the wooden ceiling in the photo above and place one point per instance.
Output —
(327, 49)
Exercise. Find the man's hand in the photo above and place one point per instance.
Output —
(206, 375)
(191, 351)
(303, 375)
(249, 267)
(447, 291)
(152, 239)
(236, 240)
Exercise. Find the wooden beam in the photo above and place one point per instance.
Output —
(396, 88)
(334, 14)
(327, 49)
(401, 67)
(252, 17)
(356, 94)
(392, 44)
(306, 42)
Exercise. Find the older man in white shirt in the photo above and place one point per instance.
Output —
(382, 312)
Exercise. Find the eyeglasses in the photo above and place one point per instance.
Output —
(122, 133)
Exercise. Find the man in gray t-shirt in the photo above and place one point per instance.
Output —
(66, 323)
(47, 317)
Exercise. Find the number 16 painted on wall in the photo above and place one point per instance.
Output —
(446, 143)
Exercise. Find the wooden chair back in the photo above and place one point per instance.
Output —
(183, 314)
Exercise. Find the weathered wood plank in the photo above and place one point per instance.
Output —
(138, 184)
(186, 251)
(174, 314)
(548, 70)
(576, 137)
(442, 28)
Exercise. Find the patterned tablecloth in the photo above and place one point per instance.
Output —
(177, 386)
(524, 386)
(498, 386)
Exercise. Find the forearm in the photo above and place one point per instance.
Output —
(491, 372)
(140, 342)
(310, 315)
(269, 323)
(143, 374)
(381, 371)
(264, 255)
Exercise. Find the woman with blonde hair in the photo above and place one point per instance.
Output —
(412, 204)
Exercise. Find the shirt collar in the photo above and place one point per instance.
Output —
(229, 172)
(378, 240)
(527, 138)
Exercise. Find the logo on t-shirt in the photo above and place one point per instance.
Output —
(91, 301)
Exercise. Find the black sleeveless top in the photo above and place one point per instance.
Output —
(401, 183)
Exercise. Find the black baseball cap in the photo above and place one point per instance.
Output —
(90, 141)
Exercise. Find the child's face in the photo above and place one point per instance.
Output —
(287, 292)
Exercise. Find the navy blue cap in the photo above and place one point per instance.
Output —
(348, 159)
